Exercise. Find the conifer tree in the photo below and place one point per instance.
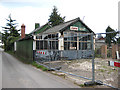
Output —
(11, 27)
(55, 18)
(110, 37)
(10, 33)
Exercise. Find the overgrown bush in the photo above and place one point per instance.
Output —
(97, 53)
(109, 53)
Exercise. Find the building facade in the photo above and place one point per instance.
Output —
(69, 40)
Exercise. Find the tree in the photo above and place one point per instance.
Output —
(10, 33)
(11, 27)
(55, 18)
(4, 39)
(110, 37)
(118, 40)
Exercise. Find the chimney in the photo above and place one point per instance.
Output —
(37, 25)
(22, 31)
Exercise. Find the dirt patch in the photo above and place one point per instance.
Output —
(86, 66)
(83, 67)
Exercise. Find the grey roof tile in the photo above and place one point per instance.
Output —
(62, 26)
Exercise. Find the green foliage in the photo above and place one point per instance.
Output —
(104, 67)
(111, 37)
(82, 85)
(118, 40)
(37, 25)
(10, 34)
(55, 18)
(101, 70)
(97, 53)
(39, 66)
(109, 53)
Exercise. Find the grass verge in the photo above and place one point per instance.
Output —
(39, 66)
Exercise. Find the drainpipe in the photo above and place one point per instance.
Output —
(34, 46)
(61, 41)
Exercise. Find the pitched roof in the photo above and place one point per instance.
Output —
(64, 25)
(37, 29)
(27, 36)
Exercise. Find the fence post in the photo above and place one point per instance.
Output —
(93, 68)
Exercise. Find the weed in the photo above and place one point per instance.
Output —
(109, 72)
(34, 63)
(105, 67)
(81, 85)
(101, 70)
(39, 66)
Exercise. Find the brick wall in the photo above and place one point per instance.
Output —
(114, 49)
(104, 51)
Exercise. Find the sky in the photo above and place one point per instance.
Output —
(96, 14)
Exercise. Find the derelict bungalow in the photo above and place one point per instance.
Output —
(69, 40)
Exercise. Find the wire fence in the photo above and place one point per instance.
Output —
(80, 55)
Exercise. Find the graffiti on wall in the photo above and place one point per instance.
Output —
(50, 55)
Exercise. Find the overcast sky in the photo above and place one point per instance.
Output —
(98, 14)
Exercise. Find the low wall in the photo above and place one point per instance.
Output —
(47, 55)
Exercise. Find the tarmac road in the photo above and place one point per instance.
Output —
(15, 74)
